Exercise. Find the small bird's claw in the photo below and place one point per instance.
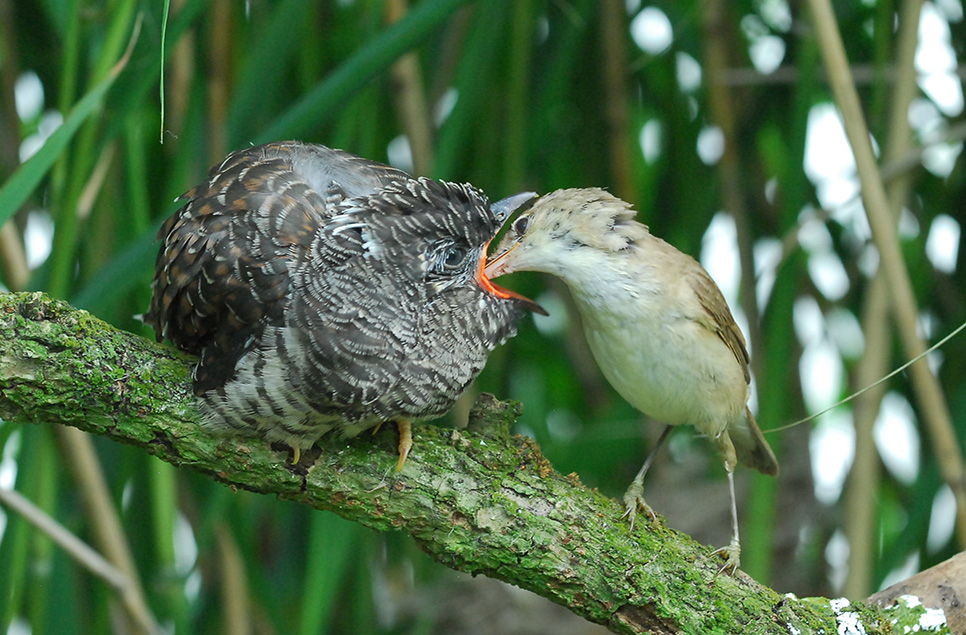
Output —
(732, 556)
(634, 499)
(630, 512)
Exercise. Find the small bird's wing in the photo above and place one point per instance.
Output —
(223, 271)
(749, 443)
(718, 317)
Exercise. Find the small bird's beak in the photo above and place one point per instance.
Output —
(506, 206)
(497, 265)
(500, 292)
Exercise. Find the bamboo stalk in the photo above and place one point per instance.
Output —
(411, 98)
(860, 497)
(78, 451)
(932, 403)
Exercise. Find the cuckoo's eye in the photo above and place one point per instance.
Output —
(520, 225)
(451, 259)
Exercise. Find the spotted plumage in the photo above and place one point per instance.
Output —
(324, 291)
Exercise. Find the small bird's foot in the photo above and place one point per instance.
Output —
(296, 455)
(634, 496)
(405, 441)
(634, 499)
(731, 555)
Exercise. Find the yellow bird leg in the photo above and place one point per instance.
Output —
(405, 441)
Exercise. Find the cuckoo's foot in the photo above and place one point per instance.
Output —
(405, 441)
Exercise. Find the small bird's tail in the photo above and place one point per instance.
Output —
(751, 447)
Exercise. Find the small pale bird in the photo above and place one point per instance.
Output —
(323, 291)
(657, 324)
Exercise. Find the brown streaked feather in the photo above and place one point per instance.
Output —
(322, 291)
(752, 448)
(223, 269)
(720, 319)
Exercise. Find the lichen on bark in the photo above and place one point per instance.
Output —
(479, 500)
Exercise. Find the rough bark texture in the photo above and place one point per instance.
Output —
(942, 586)
(478, 500)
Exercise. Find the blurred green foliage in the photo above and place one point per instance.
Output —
(508, 96)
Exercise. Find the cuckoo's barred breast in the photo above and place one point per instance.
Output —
(322, 290)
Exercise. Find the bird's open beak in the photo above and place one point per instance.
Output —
(497, 290)
(496, 266)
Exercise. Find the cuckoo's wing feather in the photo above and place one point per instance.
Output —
(339, 174)
(223, 272)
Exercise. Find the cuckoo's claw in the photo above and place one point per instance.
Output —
(405, 441)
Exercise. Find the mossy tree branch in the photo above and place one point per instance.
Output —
(477, 500)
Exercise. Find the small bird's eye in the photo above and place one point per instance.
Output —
(520, 225)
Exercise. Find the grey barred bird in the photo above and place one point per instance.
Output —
(323, 291)
(657, 324)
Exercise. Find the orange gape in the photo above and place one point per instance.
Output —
(322, 291)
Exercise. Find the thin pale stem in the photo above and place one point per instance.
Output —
(932, 403)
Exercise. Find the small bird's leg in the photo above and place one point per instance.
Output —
(731, 553)
(405, 441)
(296, 454)
(634, 496)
